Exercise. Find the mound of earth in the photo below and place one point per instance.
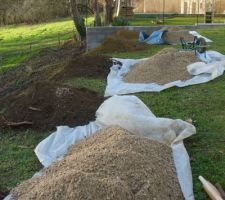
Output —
(112, 165)
(3, 193)
(125, 34)
(116, 43)
(87, 66)
(166, 66)
(43, 106)
(43, 66)
(174, 34)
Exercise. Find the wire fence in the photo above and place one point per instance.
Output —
(28, 47)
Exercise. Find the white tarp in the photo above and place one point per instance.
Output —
(157, 37)
(195, 33)
(132, 114)
(214, 68)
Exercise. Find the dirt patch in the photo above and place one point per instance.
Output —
(88, 66)
(42, 66)
(43, 106)
(166, 66)
(173, 35)
(112, 164)
(125, 34)
(3, 193)
(121, 41)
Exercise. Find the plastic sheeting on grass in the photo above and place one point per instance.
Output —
(202, 73)
(157, 37)
(132, 114)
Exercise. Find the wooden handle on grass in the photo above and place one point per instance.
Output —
(210, 189)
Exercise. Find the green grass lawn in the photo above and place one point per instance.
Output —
(15, 40)
(204, 104)
(149, 21)
(20, 42)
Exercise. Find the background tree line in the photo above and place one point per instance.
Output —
(35, 11)
(32, 11)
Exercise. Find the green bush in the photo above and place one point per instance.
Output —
(120, 21)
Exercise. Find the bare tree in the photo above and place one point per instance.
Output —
(118, 7)
(109, 11)
(78, 20)
(97, 16)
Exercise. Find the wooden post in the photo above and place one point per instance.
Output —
(59, 39)
(163, 11)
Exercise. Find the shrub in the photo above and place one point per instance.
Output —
(120, 21)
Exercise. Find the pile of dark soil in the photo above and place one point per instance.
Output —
(112, 165)
(3, 193)
(87, 66)
(42, 66)
(43, 106)
(125, 34)
(115, 44)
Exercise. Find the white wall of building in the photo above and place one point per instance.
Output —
(200, 6)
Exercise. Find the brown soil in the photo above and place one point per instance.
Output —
(115, 44)
(42, 66)
(112, 164)
(3, 193)
(166, 66)
(48, 105)
(88, 66)
(125, 34)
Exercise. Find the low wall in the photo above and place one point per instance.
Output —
(96, 35)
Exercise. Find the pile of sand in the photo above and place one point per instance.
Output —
(121, 41)
(166, 66)
(109, 165)
(173, 35)
(46, 105)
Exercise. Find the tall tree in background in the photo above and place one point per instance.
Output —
(118, 5)
(97, 15)
(78, 20)
(109, 11)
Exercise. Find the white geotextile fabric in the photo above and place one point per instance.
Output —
(194, 33)
(202, 73)
(132, 114)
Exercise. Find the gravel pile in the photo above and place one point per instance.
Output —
(166, 66)
(112, 164)
(173, 35)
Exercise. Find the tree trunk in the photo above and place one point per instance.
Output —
(97, 16)
(118, 7)
(109, 11)
(78, 20)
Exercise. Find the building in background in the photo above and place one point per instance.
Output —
(156, 6)
(201, 6)
(179, 6)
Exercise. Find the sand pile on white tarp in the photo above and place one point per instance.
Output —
(173, 35)
(166, 66)
(112, 164)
